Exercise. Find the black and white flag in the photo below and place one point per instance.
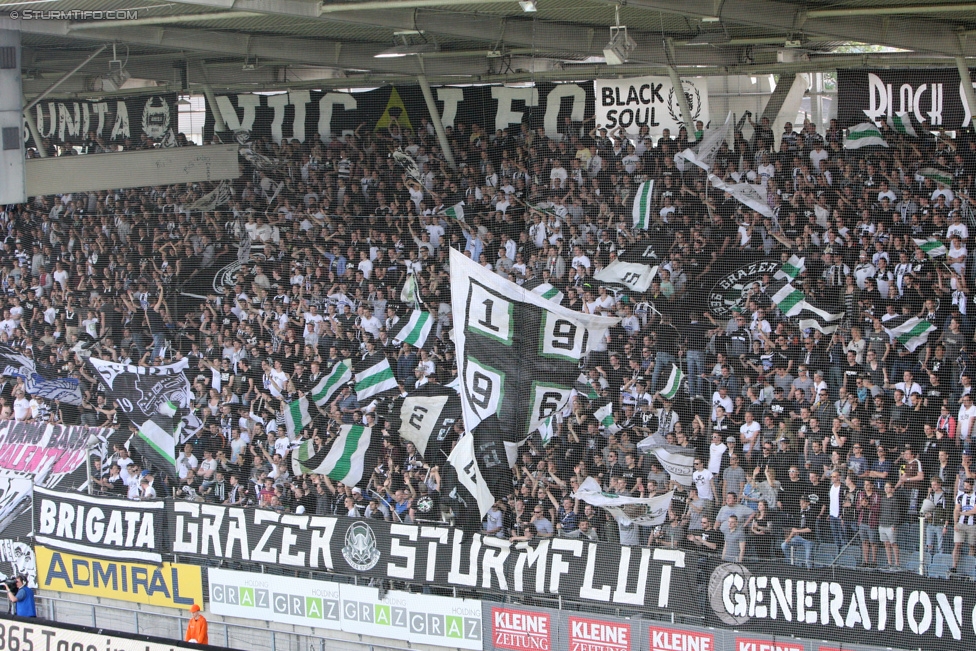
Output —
(157, 400)
(426, 417)
(15, 364)
(518, 353)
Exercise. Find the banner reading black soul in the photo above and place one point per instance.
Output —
(112, 120)
(309, 114)
(933, 95)
(900, 610)
(443, 556)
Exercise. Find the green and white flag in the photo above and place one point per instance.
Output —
(548, 292)
(789, 300)
(547, 430)
(328, 385)
(864, 135)
(791, 269)
(296, 416)
(604, 416)
(644, 205)
(936, 174)
(902, 123)
(158, 440)
(670, 389)
(374, 377)
(584, 387)
(910, 333)
(416, 330)
(410, 294)
(344, 461)
(455, 212)
(932, 246)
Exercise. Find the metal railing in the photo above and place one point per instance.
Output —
(232, 636)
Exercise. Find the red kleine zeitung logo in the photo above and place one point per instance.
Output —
(520, 630)
(746, 644)
(676, 639)
(597, 635)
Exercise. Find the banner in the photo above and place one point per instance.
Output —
(15, 364)
(172, 585)
(39, 454)
(102, 527)
(931, 95)
(438, 621)
(311, 114)
(432, 555)
(651, 101)
(900, 610)
(112, 120)
(40, 635)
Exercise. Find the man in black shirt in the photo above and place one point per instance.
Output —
(799, 533)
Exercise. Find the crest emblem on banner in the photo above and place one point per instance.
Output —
(737, 577)
(360, 549)
(692, 95)
(732, 290)
(155, 118)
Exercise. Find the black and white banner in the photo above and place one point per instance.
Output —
(310, 114)
(933, 95)
(900, 610)
(112, 120)
(649, 101)
(101, 527)
(15, 364)
(442, 556)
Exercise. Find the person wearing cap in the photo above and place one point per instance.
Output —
(196, 628)
(23, 597)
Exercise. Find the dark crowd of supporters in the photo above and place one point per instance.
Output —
(808, 445)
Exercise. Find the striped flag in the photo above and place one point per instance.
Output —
(344, 460)
(410, 294)
(909, 332)
(791, 269)
(543, 289)
(417, 329)
(455, 212)
(547, 430)
(678, 461)
(932, 246)
(584, 387)
(864, 135)
(644, 205)
(328, 385)
(902, 123)
(158, 440)
(374, 378)
(670, 389)
(789, 300)
(604, 416)
(819, 319)
(937, 174)
(296, 416)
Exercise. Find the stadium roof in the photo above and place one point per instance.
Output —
(268, 44)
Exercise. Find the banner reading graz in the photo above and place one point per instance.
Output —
(934, 95)
(443, 556)
(900, 610)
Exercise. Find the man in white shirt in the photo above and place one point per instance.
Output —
(749, 433)
(967, 412)
(704, 480)
(22, 408)
(186, 461)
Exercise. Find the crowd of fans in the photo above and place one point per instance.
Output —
(800, 437)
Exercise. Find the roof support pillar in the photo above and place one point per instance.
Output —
(436, 117)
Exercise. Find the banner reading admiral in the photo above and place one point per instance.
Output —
(443, 556)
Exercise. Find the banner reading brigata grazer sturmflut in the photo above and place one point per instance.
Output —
(900, 610)
(434, 555)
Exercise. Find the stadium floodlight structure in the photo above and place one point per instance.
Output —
(621, 46)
